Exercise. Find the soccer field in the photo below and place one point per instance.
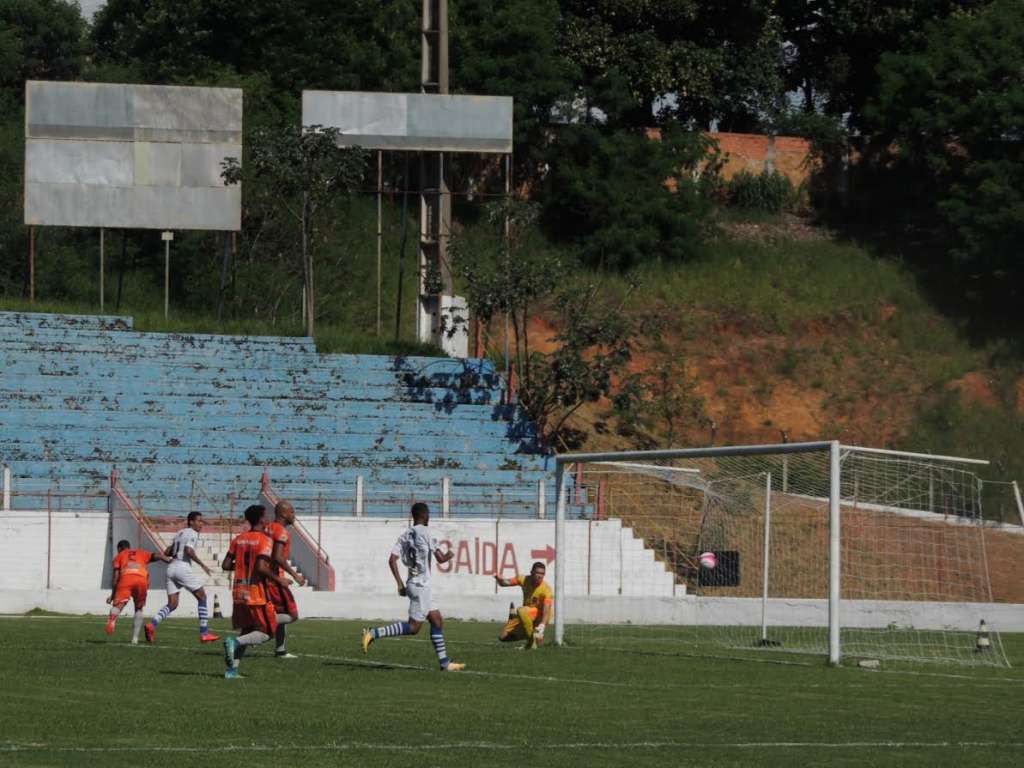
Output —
(71, 696)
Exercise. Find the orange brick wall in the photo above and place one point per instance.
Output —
(753, 152)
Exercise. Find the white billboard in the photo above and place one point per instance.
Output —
(132, 156)
(426, 122)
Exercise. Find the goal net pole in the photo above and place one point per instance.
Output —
(767, 556)
(834, 563)
(566, 459)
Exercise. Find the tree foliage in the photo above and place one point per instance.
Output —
(956, 112)
(718, 60)
(39, 40)
(302, 171)
(358, 44)
(510, 273)
(835, 46)
(622, 198)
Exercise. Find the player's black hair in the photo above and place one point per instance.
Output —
(419, 509)
(123, 544)
(536, 565)
(193, 515)
(254, 513)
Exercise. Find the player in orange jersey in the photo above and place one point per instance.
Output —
(281, 597)
(130, 580)
(252, 614)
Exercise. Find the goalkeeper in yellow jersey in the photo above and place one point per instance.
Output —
(528, 622)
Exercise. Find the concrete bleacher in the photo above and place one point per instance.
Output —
(81, 394)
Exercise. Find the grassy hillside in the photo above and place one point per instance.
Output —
(789, 334)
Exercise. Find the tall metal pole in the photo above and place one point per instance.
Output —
(380, 234)
(435, 201)
(101, 269)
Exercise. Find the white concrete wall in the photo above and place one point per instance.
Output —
(605, 551)
(76, 557)
(605, 557)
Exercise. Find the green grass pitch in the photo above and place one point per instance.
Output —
(71, 696)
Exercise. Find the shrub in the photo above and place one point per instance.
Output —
(767, 191)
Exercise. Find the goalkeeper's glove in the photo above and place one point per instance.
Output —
(538, 634)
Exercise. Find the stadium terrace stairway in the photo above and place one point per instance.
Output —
(80, 395)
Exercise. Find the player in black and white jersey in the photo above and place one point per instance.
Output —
(416, 548)
(180, 575)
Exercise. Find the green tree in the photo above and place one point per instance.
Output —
(303, 171)
(511, 48)
(716, 60)
(835, 46)
(622, 198)
(508, 270)
(358, 44)
(39, 40)
(956, 112)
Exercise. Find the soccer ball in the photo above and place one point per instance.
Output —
(708, 560)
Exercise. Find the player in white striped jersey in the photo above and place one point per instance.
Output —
(416, 548)
(182, 552)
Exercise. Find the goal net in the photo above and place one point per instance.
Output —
(811, 548)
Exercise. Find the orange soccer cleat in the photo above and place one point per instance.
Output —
(208, 637)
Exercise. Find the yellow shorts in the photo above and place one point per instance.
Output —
(520, 626)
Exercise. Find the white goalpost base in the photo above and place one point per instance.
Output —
(821, 548)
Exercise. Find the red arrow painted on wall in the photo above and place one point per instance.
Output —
(547, 554)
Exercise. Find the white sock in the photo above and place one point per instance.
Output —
(137, 625)
(251, 638)
(283, 619)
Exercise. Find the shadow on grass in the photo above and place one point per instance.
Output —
(372, 666)
(182, 673)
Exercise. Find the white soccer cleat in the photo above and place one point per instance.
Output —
(285, 655)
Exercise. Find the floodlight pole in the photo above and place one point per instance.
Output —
(435, 201)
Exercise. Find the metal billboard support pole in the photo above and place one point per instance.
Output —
(101, 269)
(31, 265)
(167, 237)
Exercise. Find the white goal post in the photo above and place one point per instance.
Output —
(821, 548)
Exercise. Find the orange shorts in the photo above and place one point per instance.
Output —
(254, 618)
(134, 587)
(282, 599)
